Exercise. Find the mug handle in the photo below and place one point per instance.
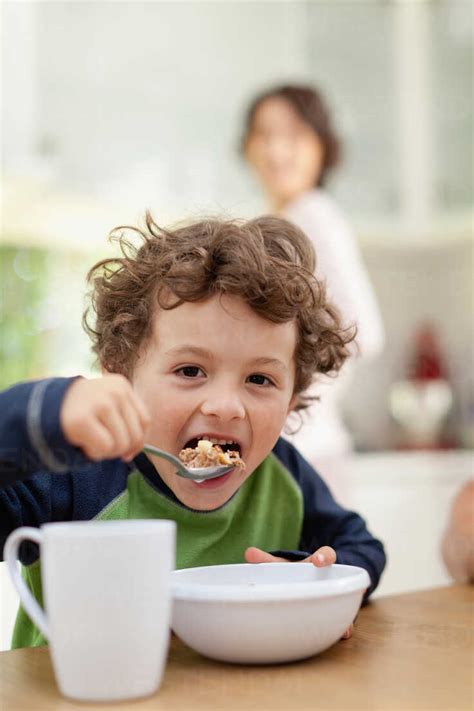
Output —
(29, 603)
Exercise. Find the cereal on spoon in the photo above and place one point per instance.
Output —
(207, 454)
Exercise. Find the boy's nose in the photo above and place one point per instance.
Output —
(225, 406)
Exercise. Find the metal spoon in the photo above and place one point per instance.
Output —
(195, 473)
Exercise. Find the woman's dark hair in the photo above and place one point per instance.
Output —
(311, 108)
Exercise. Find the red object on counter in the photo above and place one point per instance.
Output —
(426, 367)
(428, 362)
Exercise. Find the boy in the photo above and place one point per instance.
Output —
(211, 331)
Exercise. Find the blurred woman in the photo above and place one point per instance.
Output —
(290, 143)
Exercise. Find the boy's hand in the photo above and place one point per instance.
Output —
(104, 417)
(320, 558)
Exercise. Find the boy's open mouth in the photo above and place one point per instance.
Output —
(207, 451)
(225, 445)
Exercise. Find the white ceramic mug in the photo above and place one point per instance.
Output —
(107, 596)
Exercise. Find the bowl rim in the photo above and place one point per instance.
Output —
(357, 580)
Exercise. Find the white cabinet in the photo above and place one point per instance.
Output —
(405, 499)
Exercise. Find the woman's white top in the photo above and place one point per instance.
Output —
(339, 265)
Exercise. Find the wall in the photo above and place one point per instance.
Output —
(142, 102)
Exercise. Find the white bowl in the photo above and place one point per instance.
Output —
(267, 612)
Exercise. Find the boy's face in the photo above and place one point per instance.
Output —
(215, 369)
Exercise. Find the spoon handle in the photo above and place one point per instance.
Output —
(166, 455)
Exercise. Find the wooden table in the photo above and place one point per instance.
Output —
(411, 651)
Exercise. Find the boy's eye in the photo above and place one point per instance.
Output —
(189, 371)
(259, 379)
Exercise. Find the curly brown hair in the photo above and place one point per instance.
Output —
(268, 262)
(312, 109)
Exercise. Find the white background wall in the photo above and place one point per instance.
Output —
(142, 102)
